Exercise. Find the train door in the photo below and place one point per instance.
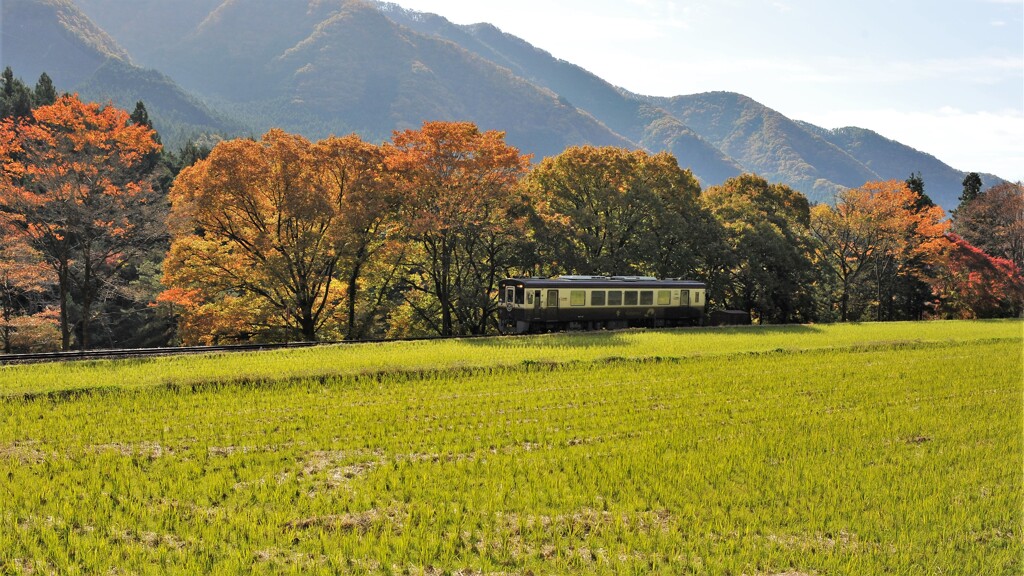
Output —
(551, 306)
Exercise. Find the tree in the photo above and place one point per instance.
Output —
(70, 188)
(994, 222)
(24, 281)
(973, 284)
(261, 229)
(878, 244)
(916, 185)
(354, 171)
(609, 210)
(45, 94)
(464, 218)
(766, 226)
(972, 187)
(15, 97)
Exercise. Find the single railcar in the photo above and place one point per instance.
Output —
(597, 302)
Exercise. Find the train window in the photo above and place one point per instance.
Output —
(696, 297)
(630, 298)
(529, 297)
(647, 297)
(664, 297)
(684, 300)
(597, 298)
(577, 298)
(615, 297)
(552, 299)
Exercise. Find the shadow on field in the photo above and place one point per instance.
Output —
(765, 329)
(613, 338)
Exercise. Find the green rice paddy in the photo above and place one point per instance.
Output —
(840, 449)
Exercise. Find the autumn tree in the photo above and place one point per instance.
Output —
(261, 231)
(464, 218)
(877, 240)
(25, 281)
(994, 222)
(70, 189)
(766, 229)
(973, 284)
(354, 172)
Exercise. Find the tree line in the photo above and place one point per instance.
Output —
(108, 240)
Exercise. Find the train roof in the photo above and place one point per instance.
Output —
(623, 282)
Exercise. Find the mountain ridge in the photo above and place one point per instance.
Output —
(321, 67)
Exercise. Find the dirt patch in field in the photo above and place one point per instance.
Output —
(361, 522)
(24, 452)
(149, 450)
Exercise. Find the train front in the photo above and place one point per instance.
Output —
(511, 316)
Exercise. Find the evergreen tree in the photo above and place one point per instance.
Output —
(45, 94)
(15, 97)
(916, 185)
(972, 187)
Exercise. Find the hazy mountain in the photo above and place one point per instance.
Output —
(55, 37)
(766, 142)
(890, 159)
(718, 134)
(644, 125)
(336, 66)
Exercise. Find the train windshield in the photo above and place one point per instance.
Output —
(513, 294)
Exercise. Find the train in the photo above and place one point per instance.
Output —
(529, 305)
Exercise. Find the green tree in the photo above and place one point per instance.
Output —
(44, 94)
(15, 97)
(916, 185)
(770, 273)
(972, 187)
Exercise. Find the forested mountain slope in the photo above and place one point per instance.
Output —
(321, 67)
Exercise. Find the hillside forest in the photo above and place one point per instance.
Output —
(109, 240)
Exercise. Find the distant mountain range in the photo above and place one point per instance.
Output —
(320, 67)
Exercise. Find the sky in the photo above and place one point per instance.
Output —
(943, 76)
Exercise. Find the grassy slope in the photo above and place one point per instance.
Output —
(819, 450)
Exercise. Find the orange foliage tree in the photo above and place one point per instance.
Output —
(877, 239)
(72, 191)
(260, 231)
(464, 218)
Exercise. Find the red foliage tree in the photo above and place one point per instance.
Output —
(974, 284)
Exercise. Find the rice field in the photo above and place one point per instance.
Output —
(841, 449)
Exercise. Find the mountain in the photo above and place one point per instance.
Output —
(717, 134)
(890, 159)
(321, 67)
(644, 125)
(55, 37)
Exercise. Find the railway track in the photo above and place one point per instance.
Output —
(126, 353)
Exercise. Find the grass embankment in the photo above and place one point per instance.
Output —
(817, 449)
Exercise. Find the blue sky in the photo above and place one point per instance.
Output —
(943, 76)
